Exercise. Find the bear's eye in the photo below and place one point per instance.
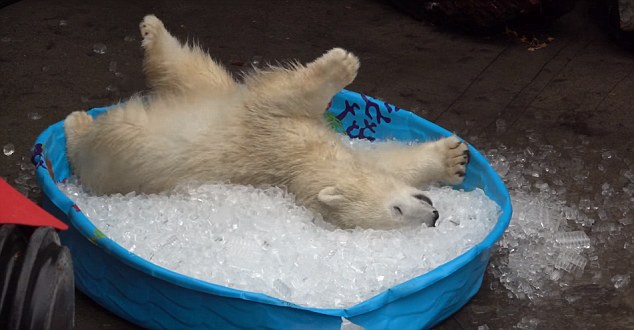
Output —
(398, 209)
(424, 198)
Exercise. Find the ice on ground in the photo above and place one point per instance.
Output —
(34, 115)
(564, 215)
(621, 281)
(99, 48)
(8, 149)
(259, 240)
(528, 323)
(573, 239)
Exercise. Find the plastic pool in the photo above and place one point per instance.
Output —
(157, 298)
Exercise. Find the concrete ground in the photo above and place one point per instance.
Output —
(575, 93)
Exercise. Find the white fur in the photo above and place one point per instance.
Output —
(200, 124)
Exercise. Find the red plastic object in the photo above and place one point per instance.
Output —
(17, 209)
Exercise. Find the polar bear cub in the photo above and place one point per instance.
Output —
(200, 124)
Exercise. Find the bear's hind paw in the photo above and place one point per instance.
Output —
(151, 27)
(338, 66)
(77, 124)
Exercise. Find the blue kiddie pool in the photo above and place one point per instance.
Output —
(157, 298)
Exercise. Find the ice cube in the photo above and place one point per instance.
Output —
(570, 261)
(8, 149)
(99, 48)
(620, 281)
(34, 115)
(573, 239)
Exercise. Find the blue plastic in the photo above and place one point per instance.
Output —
(157, 298)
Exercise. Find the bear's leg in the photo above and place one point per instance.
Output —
(442, 161)
(304, 90)
(331, 72)
(172, 67)
(76, 125)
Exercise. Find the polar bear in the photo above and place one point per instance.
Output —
(200, 124)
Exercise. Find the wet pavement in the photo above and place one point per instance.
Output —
(558, 119)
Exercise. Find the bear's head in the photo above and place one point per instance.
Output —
(377, 201)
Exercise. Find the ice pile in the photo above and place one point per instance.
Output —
(259, 240)
(535, 250)
(568, 210)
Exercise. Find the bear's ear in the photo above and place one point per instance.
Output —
(330, 196)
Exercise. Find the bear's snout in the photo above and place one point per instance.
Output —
(427, 200)
(414, 208)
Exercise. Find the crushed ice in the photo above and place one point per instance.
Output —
(259, 240)
(558, 234)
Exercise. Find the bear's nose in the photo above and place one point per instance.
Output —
(436, 216)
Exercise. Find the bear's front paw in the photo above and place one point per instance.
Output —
(455, 155)
(337, 66)
(151, 27)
